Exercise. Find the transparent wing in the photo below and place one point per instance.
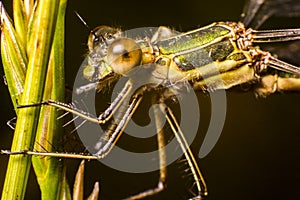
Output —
(289, 51)
(256, 12)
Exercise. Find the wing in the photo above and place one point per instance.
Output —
(256, 12)
(289, 51)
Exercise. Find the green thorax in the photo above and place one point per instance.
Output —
(202, 46)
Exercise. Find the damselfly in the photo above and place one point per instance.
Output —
(218, 56)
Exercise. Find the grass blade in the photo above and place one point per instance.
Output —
(50, 130)
(14, 58)
(95, 193)
(38, 58)
(79, 182)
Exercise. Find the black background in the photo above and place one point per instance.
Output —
(257, 155)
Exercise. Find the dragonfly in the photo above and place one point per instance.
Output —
(215, 57)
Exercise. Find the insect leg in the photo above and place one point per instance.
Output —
(199, 180)
(101, 119)
(162, 159)
(282, 66)
(114, 132)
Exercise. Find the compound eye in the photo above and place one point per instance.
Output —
(123, 55)
(99, 34)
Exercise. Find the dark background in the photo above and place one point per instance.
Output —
(257, 155)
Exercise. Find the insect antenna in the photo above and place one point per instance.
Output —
(84, 23)
(91, 30)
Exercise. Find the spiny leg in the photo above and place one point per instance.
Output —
(101, 119)
(162, 159)
(281, 65)
(114, 133)
(199, 180)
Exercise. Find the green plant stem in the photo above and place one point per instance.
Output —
(40, 45)
(50, 130)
